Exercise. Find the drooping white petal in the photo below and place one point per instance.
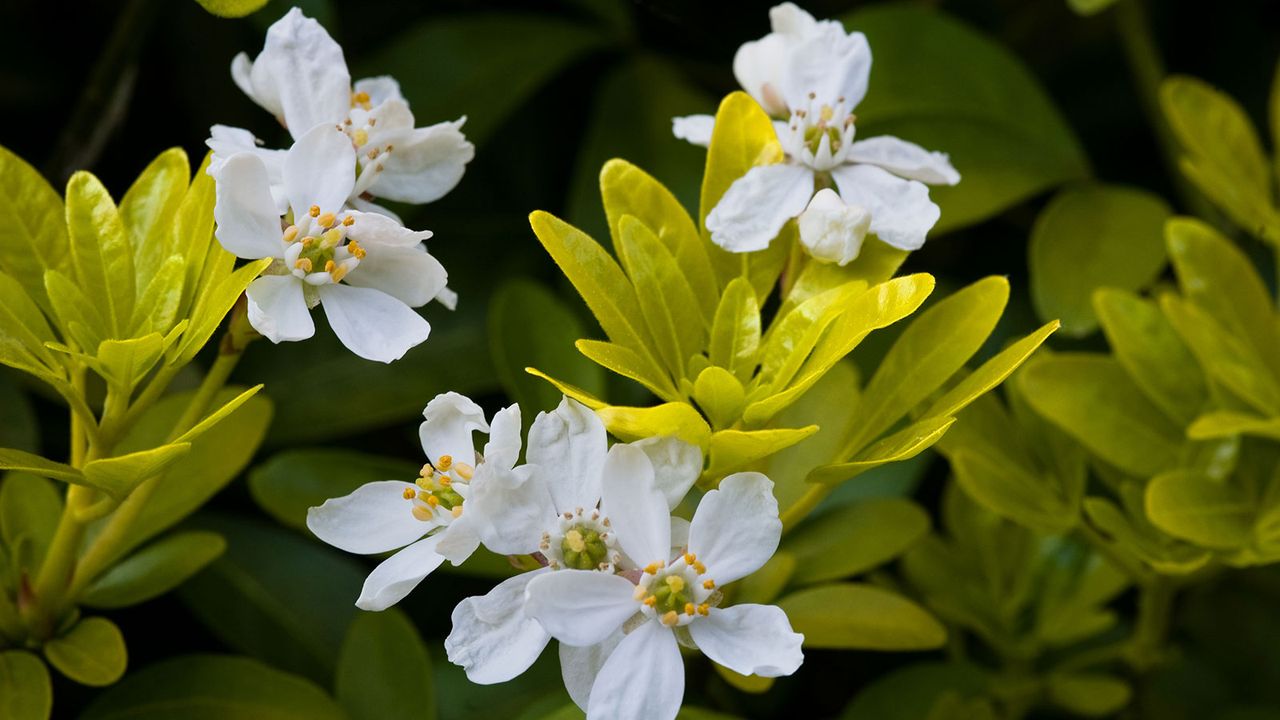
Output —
(580, 607)
(736, 528)
(389, 123)
(425, 164)
(375, 518)
(248, 225)
(226, 141)
(643, 679)
(380, 89)
(461, 538)
(635, 506)
(750, 640)
(676, 465)
(408, 274)
(901, 211)
(450, 420)
(503, 447)
(377, 228)
(579, 667)
(905, 159)
(242, 76)
(320, 169)
(516, 509)
(398, 575)
(278, 309)
(568, 446)
(758, 65)
(492, 637)
(829, 64)
(371, 323)
(757, 205)
(448, 298)
(694, 129)
(300, 77)
(831, 230)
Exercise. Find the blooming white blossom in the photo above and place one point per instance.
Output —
(429, 520)
(810, 75)
(552, 512)
(301, 77)
(634, 627)
(366, 270)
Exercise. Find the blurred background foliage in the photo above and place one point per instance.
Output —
(1027, 95)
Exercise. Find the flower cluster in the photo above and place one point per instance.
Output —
(312, 208)
(620, 582)
(810, 75)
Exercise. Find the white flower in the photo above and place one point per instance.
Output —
(831, 230)
(301, 77)
(552, 511)
(430, 518)
(813, 74)
(365, 269)
(734, 531)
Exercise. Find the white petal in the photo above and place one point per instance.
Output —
(831, 230)
(408, 274)
(492, 637)
(736, 529)
(241, 75)
(905, 159)
(901, 211)
(371, 323)
(448, 298)
(568, 447)
(515, 508)
(679, 535)
(503, 447)
(676, 465)
(399, 574)
(636, 508)
(373, 208)
(377, 228)
(320, 169)
(791, 20)
(380, 89)
(643, 679)
(749, 640)
(757, 205)
(226, 141)
(425, 165)
(830, 65)
(759, 65)
(300, 76)
(461, 537)
(579, 667)
(278, 309)
(580, 607)
(248, 225)
(695, 129)
(374, 519)
(450, 420)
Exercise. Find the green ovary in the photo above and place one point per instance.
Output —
(583, 548)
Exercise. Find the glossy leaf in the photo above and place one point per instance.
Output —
(735, 331)
(667, 302)
(100, 251)
(147, 210)
(901, 445)
(853, 539)
(861, 617)
(91, 653)
(1195, 508)
(117, 476)
(35, 239)
(154, 570)
(732, 450)
(29, 509)
(1089, 694)
(25, 690)
(384, 670)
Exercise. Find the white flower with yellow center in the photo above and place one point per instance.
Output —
(366, 270)
(301, 77)
(810, 75)
(553, 512)
(429, 520)
(674, 601)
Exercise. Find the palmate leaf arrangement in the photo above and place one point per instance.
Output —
(694, 532)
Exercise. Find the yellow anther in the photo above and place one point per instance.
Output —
(291, 233)
(827, 113)
(360, 137)
(689, 609)
(303, 264)
(456, 511)
(445, 481)
(690, 558)
(326, 219)
(650, 601)
(426, 471)
(464, 470)
(308, 241)
(639, 593)
(338, 273)
(446, 461)
(675, 582)
(331, 238)
(652, 568)
(330, 266)
(421, 513)
(348, 220)
(314, 211)
(709, 584)
(574, 540)
(409, 494)
(704, 609)
(360, 98)
(424, 483)
(671, 618)
(699, 567)
(358, 253)
(432, 500)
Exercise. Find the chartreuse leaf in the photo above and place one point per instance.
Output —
(1224, 423)
(158, 305)
(792, 337)
(735, 331)
(193, 233)
(667, 302)
(217, 416)
(529, 325)
(208, 687)
(26, 462)
(628, 364)
(214, 301)
(1002, 130)
(35, 237)
(1092, 399)
(766, 584)
(29, 511)
(384, 670)
(989, 374)
(676, 419)
(76, 315)
(23, 330)
(628, 190)
(854, 616)
(117, 476)
(1094, 236)
(853, 539)
(25, 690)
(911, 692)
(123, 363)
(827, 405)
(148, 207)
(1088, 694)
(876, 263)
(902, 445)
(735, 449)
(100, 251)
(91, 653)
(154, 570)
(1133, 534)
(1089, 7)
(232, 8)
(720, 395)
(1194, 507)
(1226, 359)
(1224, 157)
(1149, 349)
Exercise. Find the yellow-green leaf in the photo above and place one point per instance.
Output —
(1088, 694)
(734, 449)
(676, 419)
(100, 250)
(26, 462)
(117, 476)
(735, 331)
(720, 395)
(854, 616)
(148, 208)
(1225, 423)
(23, 329)
(1194, 507)
(990, 374)
(92, 653)
(25, 690)
(1224, 357)
(901, 445)
(125, 362)
(75, 313)
(853, 539)
(154, 570)
(34, 238)
(628, 364)
(667, 303)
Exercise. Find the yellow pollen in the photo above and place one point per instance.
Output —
(348, 220)
(690, 558)
(456, 511)
(432, 500)
(699, 567)
(360, 137)
(464, 470)
(689, 609)
(331, 238)
(314, 211)
(574, 540)
(358, 253)
(421, 513)
(326, 219)
(308, 241)
(330, 266)
(709, 584)
(424, 483)
(671, 618)
(652, 568)
(303, 264)
(426, 471)
(446, 481)
(445, 461)
(704, 609)
(827, 113)
(360, 98)
(675, 582)
(409, 494)
(291, 233)
(651, 601)
(338, 273)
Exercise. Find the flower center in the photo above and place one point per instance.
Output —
(359, 126)
(437, 496)
(820, 135)
(678, 593)
(317, 248)
(581, 540)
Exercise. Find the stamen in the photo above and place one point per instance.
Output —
(291, 233)
(671, 619)
(331, 238)
(456, 511)
(338, 273)
(314, 211)
(675, 582)
(432, 500)
(650, 601)
(348, 220)
(326, 219)
(426, 471)
(303, 264)
(690, 558)
(640, 593)
(652, 568)
(330, 266)
(446, 481)
(308, 241)
(709, 584)
(464, 470)
(698, 567)
(690, 609)
(704, 609)
(445, 461)
(421, 513)
(409, 494)
(360, 137)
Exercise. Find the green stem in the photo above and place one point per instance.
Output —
(1155, 606)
